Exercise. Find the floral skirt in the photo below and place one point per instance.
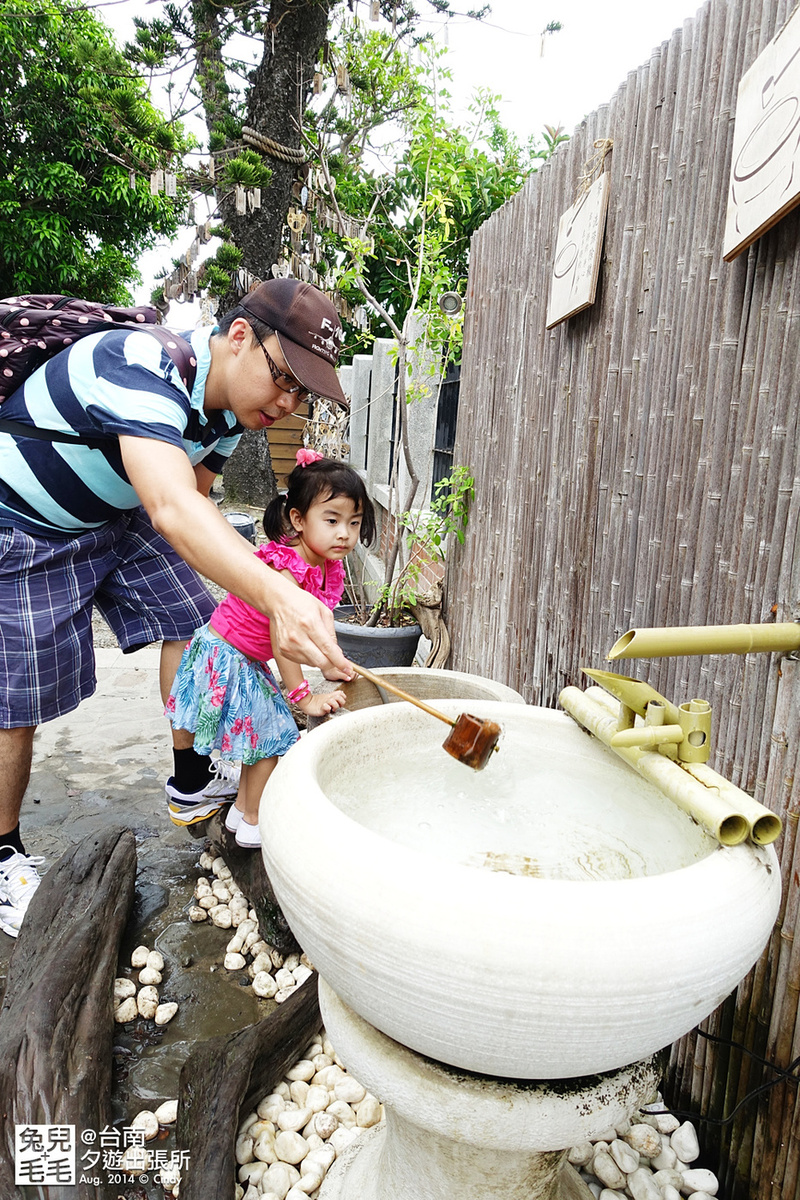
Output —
(230, 702)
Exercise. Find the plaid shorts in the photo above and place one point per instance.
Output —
(48, 587)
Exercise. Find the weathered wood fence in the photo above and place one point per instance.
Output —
(638, 465)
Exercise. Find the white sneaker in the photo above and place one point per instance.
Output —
(233, 818)
(247, 836)
(19, 879)
(185, 808)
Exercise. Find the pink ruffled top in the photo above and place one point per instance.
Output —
(246, 628)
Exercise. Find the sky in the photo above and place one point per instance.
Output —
(555, 80)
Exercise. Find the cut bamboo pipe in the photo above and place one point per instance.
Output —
(705, 806)
(706, 639)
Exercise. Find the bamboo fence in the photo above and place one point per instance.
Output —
(639, 465)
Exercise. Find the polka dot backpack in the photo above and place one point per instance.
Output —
(34, 328)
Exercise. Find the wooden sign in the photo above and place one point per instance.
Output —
(765, 166)
(573, 283)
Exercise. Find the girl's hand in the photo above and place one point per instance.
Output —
(320, 706)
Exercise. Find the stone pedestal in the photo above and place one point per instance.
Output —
(450, 1133)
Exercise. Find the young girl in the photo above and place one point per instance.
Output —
(224, 692)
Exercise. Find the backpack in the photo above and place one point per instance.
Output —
(34, 328)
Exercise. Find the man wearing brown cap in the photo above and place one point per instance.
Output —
(124, 524)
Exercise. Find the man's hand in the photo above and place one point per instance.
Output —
(302, 627)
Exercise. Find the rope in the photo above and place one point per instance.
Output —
(268, 146)
(593, 166)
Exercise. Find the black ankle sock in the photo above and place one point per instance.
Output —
(13, 840)
(192, 770)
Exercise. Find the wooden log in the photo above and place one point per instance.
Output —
(57, 1021)
(224, 1078)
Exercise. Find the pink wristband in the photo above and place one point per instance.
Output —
(300, 692)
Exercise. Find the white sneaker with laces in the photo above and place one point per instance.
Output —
(19, 879)
(185, 808)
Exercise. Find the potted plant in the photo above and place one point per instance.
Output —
(385, 631)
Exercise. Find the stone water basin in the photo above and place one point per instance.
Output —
(550, 917)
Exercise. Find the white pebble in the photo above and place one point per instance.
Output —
(642, 1186)
(341, 1138)
(669, 1177)
(317, 1098)
(221, 916)
(283, 994)
(123, 988)
(668, 1192)
(264, 1148)
(349, 1090)
(165, 1012)
(293, 1119)
(329, 1076)
(136, 1159)
(298, 1090)
(270, 1106)
(666, 1123)
(167, 1112)
(626, 1158)
(607, 1194)
(206, 860)
(284, 978)
(645, 1139)
(581, 1154)
(260, 963)
(127, 1011)
(322, 1157)
(244, 1150)
(291, 1147)
(302, 973)
(700, 1180)
(606, 1170)
(279, 1177)
(368, 1112)
(277, 958)
(666, 1160)
(342, 1110)
(197, 914)
(147, 1121)
(234, 962)
(139, 957)
(148, 976)
(147, 1002)
(684, 1142)
(234, 946)
(251, 1173)
(282, 1089)
(301, 1070)
(322, 1060)
(324, 1124)
(155, 960)
(264, 985)
(208, 902)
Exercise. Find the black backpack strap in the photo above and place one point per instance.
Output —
(178, 350)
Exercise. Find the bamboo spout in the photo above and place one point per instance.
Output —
(706, 639)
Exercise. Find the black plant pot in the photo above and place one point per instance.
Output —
(376, 647)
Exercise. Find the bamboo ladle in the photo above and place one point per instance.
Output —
(470, 740)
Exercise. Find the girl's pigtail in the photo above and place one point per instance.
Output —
(275, 524)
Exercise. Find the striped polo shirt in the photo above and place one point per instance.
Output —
(117, 382)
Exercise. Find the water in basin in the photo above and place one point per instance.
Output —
(550, 811)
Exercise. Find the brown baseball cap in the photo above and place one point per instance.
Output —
(308, 329)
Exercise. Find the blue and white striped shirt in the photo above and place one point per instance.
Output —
(116, 382)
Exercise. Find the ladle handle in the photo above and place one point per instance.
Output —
(381, 683)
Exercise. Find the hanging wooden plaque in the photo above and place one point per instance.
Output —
(576, 265)
(765, 163)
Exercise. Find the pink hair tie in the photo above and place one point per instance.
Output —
(304, 457)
